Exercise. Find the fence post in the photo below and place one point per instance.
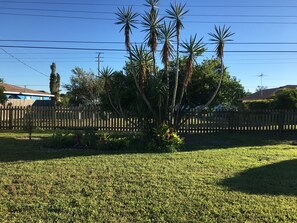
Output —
(281, 120)
(10, 117)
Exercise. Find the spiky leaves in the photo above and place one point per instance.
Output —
(176, 13)
(152, 3)
(127, 18)
(220, 37)
(151, 23)
(166, 34)
(193, 49)
(106, 74)
(141, 59)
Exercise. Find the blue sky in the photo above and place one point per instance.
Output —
(266, 25)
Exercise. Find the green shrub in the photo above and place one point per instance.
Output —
(258, 105)
(164, 139)
(90, 138)
(61, 139)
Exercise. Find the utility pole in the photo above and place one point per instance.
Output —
(99, 61)
(99, 64)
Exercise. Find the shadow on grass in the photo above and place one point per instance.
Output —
(21, 149)
(230, 140)
(274, 179)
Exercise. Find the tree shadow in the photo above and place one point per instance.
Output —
(274, 179)
(231, 140)
(22, 150)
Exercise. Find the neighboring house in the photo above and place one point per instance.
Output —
(20, 96)
(265, 93)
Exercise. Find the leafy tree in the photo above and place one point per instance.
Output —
(205, 81)
(54, 83)
(84, 88)
(3, 98)
(285, 99)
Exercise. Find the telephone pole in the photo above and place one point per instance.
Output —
(99, 54)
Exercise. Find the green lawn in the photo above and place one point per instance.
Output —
(224, 178)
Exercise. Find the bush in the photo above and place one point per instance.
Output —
(285, 99)
(164, 139)
(61, 139)
(258, 105)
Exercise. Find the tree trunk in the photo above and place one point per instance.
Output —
(176, 76)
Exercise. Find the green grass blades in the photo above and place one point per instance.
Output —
(238, 182)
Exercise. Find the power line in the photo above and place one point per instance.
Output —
(120, 42)
(190, 15)
(137, 5)
(57, 16)
(32, 68)
(195, 22)
(123, 50)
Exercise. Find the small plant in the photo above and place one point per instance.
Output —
(29, 126)
(164, 139)
(90, 138)
(61, 139)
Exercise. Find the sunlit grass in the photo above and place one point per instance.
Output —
(248, 183)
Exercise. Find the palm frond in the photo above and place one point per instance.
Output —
(127, 18)
(167, 33)
(176, 13)
(151, 24)
(220, 37)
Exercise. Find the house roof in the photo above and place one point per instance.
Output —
(266, 93)
(15, 90)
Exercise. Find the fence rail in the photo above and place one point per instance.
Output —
(48, 118)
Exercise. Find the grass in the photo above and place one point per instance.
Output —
(224, 178)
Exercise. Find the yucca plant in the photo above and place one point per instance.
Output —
(220, 38)
(176, 13)
(127, 18)
(193, 49)
(141, 59)
(151, 24)
(167, 33)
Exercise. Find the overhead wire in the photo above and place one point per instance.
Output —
(123, 50)
(137, 5)
(27, 65)
(112, 13)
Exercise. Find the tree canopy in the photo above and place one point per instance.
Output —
(84, 88)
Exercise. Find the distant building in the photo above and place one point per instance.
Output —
(265, 93)
(20, 96)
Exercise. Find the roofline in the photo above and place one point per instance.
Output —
(29, 94)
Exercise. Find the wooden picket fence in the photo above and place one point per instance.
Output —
(48, 118)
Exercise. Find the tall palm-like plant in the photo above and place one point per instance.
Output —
(127, 18)
(193, 49)
(167, 33)
(220, 38)
(106, 74)
(151, 23)
(176, 13)
(142, 60)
